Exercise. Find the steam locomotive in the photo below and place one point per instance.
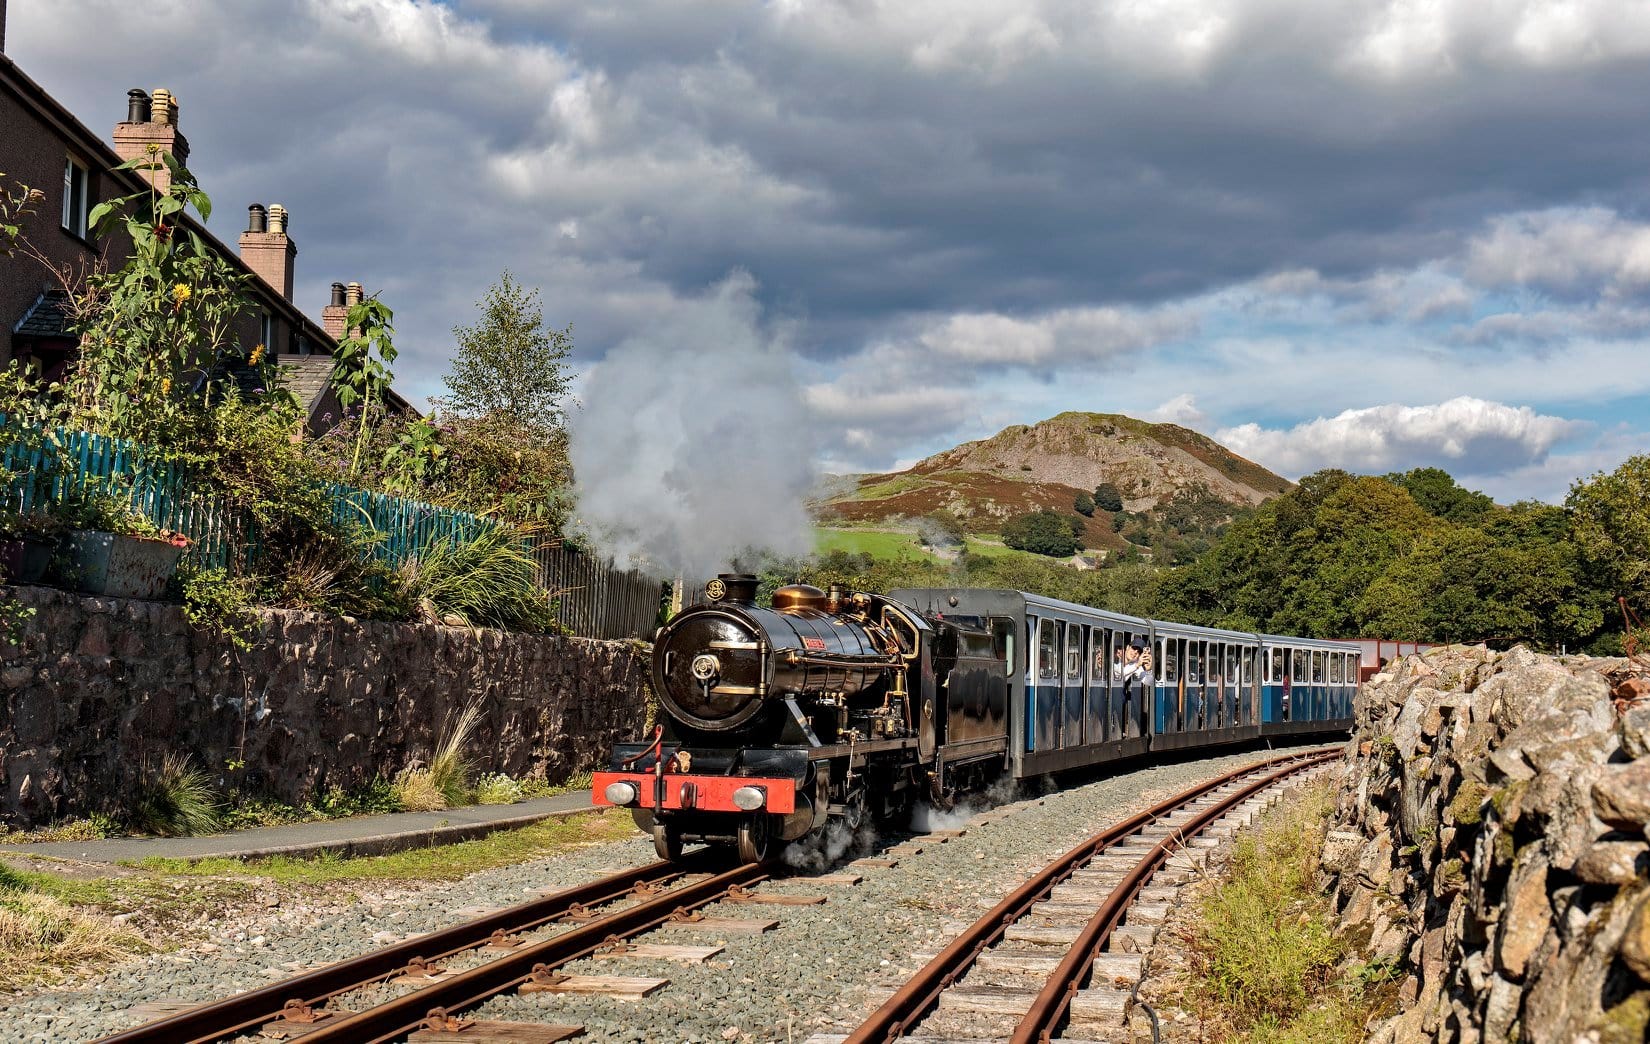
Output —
(839, 705)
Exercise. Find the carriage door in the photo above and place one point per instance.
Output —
(1073, 695)
(1248, 699)
(1042, 708)
(1229, 695)
(1100, 728)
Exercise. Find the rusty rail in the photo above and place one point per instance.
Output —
(913, 1001)
(249, 1010)
(396, 1018)
(1053, 1001)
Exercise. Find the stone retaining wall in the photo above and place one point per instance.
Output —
(96, 688)
(1491, 837)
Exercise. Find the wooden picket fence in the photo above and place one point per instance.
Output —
(595, 599)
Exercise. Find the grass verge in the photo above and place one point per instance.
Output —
(442, 863)
(42, 936)
(1265, 961)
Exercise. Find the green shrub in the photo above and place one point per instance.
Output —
(175, 801)
(445, 781)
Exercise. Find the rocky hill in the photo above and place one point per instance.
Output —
(1045, 465)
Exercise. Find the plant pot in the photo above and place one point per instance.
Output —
(23, 560)
(121, 566)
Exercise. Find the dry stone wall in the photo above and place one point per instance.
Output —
(1492, 840)
(94, 689)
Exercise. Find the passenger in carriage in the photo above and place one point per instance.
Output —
(1138, 680)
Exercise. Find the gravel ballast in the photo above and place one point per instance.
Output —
(820, 969)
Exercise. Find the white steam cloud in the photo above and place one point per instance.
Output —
(693, 445)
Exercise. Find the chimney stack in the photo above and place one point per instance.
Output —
(335, 316)
(267, 249)
(151, 120)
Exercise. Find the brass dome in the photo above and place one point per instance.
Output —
(798, 596)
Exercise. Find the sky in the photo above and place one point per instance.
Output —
(1369, 235)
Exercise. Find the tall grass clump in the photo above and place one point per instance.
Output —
(40, 936)
(445, 781)
(1266, 962)
(486, 580)
(175, 800)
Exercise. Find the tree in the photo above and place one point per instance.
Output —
(1084, 505)
(508, 367)
(1439, 495)
(1107, 497)
(1611, 515)
(1043, 533)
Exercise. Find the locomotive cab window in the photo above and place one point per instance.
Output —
(1048, 656)
(1002, 640)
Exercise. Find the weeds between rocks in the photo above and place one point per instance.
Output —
(1265, 960)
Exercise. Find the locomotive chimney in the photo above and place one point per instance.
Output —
(737, 588)
(833, 598)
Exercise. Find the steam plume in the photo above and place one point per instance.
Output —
(693, 445)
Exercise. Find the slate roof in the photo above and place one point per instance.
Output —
(306, 376)
(47, 317)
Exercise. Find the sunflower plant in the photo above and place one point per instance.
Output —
(157, 332)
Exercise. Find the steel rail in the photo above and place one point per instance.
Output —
(247, 1011)
(912, 1002)
(396, 1018)
(1054, 999)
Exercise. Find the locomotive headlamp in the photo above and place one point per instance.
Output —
(750, 798)
(622, 793)
(705, 667)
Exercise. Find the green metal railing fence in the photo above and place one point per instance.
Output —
(595, 599)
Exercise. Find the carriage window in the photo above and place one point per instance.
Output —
(1317, 668)
(1231, 665)
(1275, 659)
(1248, 667)
(1074, 652)
(1297, 665)
(1170, 663)
(1048, 658)
(1194, 663)
(1336, 671)
(1104, 643)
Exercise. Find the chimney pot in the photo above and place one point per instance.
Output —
(277, 219)
(337, 295)
(352, 294)
(257, 218)
(137, 105)
(161, 107)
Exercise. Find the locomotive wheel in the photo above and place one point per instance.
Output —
(667, 841)
(755, 838)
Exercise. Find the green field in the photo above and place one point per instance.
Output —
(878, 543)
(883, 543)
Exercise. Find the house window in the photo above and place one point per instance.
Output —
(75, 179)
(266, 331)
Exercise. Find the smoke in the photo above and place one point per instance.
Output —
(926, 818)
(821, 851)
(693, 445)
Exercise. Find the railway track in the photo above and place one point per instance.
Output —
(445, 973)
(658, 893)
(1080, 927)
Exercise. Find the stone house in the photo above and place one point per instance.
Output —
(43, 146)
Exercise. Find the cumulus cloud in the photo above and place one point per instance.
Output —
(1464, 435)
(1563, 249)
(1181, 410)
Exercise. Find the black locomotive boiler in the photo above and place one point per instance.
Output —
(829, 704)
